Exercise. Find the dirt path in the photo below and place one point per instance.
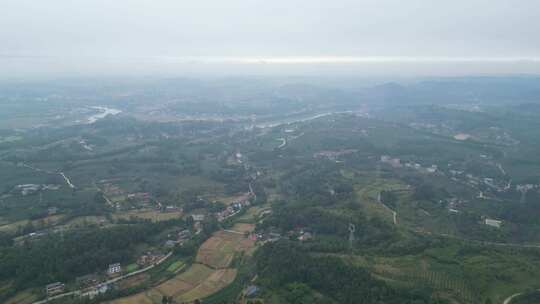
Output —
(283, 142)
(394, 213)
(67, 180)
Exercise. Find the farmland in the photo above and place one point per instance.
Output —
(384, 194)
(210, 272)
(152, 215)
(219, 251)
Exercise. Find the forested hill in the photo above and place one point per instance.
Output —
(298, 277)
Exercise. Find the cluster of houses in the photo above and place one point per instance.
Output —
(112, 189)
(453, 203)
(197, 222)
(233, 209)
(92, 285)
(334, 155)
(149, 258)
(300, 234)
(55, 288)
(142, 197)
(526, 187)
(178, 238)
(88, 285)
(397, 163)
(266, 237)
(394, 162)
(27, 189)
(474, 181)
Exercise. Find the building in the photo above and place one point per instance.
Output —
(493, 223)
(87, 280)
(198, 217)
(251, 291)
(171, 208)
(394, 162)
(149, 258)
(143, 197)
(96, 290)
(114, 269)
(184, 235)
(54, 288)
(52, 210)
(273, 237)
(170, 243)
(305, 236)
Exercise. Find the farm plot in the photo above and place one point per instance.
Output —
(215, 282)
(175, 287)
(218, 251)
(241, 227)
(208, 275)
(146, 214)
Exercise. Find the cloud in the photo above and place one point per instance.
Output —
(278, 31)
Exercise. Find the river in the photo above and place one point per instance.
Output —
(104, 111)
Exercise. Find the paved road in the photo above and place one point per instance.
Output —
(510, 298)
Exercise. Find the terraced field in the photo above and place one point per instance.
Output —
(219, 250)
(210, 273)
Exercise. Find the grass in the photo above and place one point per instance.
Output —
(227, 200)
(367, 196)
(132, 267)
(23, 297)
(242, 227)
(527, 298)
(48, 221)
(215, 282)
(85, 220)
(175, 266)
(153, 215)
(252, 214)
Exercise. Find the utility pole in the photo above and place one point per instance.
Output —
(352, 229)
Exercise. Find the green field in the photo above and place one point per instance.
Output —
(175, 266)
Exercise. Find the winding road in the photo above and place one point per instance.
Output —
(510, 298)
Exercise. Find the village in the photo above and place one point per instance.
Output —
(94, 284)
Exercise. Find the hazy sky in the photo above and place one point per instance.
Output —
(136, 36)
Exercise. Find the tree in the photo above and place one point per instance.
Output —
(424, 192)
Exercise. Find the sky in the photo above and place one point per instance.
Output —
(85, 37)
